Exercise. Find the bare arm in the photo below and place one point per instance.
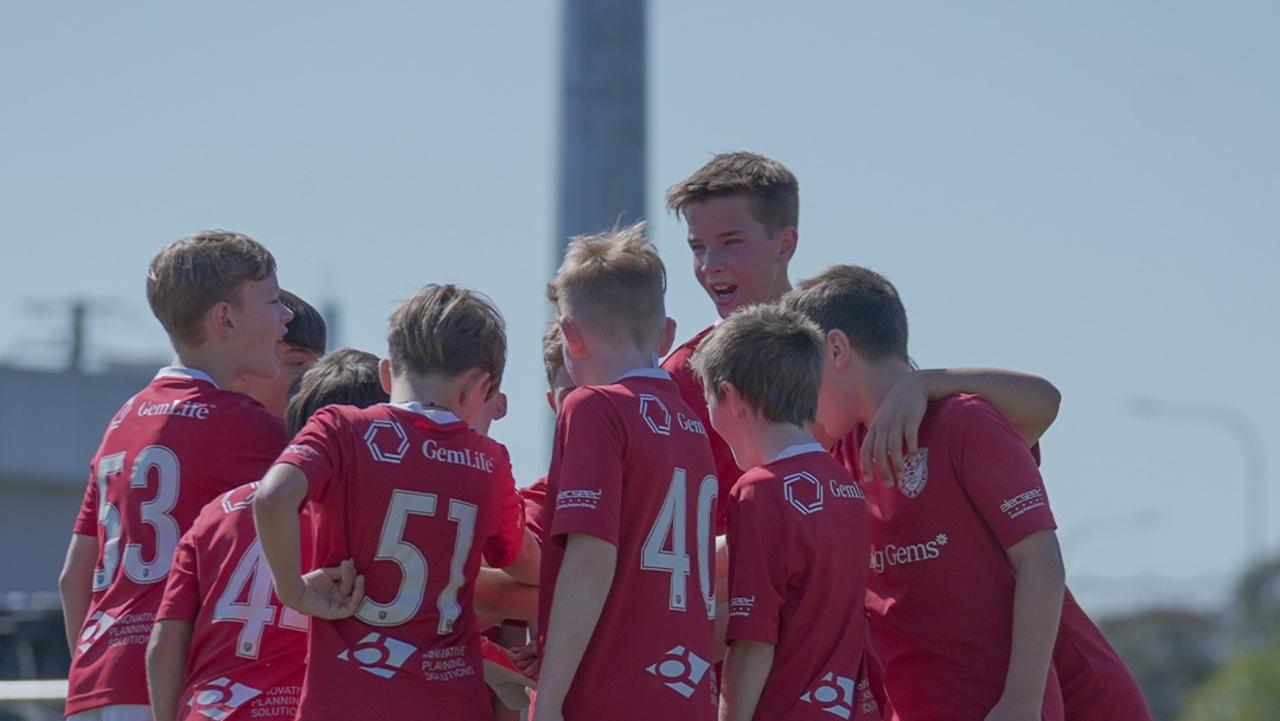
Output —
(1030, 404)
(746, 668)
(75, 584)
(167, 666)
(500, 597)
(586, 575)
(528, 564)
(1037, 606)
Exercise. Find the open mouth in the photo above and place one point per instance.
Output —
(723, 293)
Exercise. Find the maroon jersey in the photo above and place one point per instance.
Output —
(248, 650)
(940, 594)
(535, 508)
(795, 527)
(414, 496)
(677, 364)
(1096, 683)
(630, 465)
(171, 449)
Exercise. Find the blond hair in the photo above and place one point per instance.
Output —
(192, 275)
(552, 352)
(613, 280)
(772, 356)
(772, 190)
(447, 330)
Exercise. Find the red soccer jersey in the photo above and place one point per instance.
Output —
(795, 526)
(168, 451)
(940, 594)
(535, 508)
(677, 364)
(414, 496)
(248, 650)
(1096, 683)
(630, 465)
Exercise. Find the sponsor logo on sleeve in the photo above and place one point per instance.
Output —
(655, 414)
(906, 554)
(305, 452)
(803, 491)
(378, 654)
(1023, 502)
(915, 475)
(741, 605)
(681, 670)
(95, 629)
(386, 440)
(834, 694)
(218, 698)
(578, 498)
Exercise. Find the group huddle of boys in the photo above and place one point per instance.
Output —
(782, 520)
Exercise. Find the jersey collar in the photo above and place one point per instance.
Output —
(440, 416)
(799, 449)
(658, 373)
(181, 372)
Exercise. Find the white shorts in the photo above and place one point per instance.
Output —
(120, 712)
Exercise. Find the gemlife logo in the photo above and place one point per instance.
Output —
(387, 441)
(655, 414)
(95, 629)
(378, 654)
(1023, 502)
(803, 492)
(681, 670)
(833, 695)
(218, 698)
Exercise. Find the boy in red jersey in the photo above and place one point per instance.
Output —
(967, 580)
(223, 646)
(414, 495)
(627, 577)
(169, 450)
(301, 346)
(796, 628)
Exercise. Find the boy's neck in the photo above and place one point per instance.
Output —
(220, 370)
(431, 391)
(608, 363)
(878, 379)
(771, 439)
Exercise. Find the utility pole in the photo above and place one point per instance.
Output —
(602, 117)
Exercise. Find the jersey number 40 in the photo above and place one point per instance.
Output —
(671, 525)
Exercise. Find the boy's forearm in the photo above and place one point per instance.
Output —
(746, 668)
(275, 515)
(75, 585)
(586, 576)
(1030, 403)
(1037, 608)
(499, 597)
(528, 563)
(167, 666)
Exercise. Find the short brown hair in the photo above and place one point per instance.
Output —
(861, 303)
(307, 330)
(772, 189)
(346, 377)
(447, 330)
(194, 274)
(771, 355)
(552, 352)
(614, 279)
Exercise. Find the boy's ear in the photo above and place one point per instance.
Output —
(730, 396)
(500, 410)
(787, 239)
(220, 320)
(572, 334)
(668, 337)
(476, 383)
(384, 374)
(838, 351)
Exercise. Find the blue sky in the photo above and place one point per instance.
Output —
(1088, 192)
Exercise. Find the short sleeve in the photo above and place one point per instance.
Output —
(316, 451)
(181, 600)
(997, 471)
(535, 511)
(592, 441)
(87, 518)
(757, 564)
(503, 547)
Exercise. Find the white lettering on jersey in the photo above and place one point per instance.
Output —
(478, 460)
(1023, 503)
(895, 555)
(178, 407)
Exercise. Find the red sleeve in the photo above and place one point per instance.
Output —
(317, 451)
(181, 600)
(87, 518)
(503, 547)
(535, 505)
(997, 471)
(757, 564)
(592, 441)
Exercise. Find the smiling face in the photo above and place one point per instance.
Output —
(736, 259)
(259, 319)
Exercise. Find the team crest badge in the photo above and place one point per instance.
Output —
(916, 474)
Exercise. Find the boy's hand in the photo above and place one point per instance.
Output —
(894, 426)
(1015, 710)
(526, 659)
(330, 593)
